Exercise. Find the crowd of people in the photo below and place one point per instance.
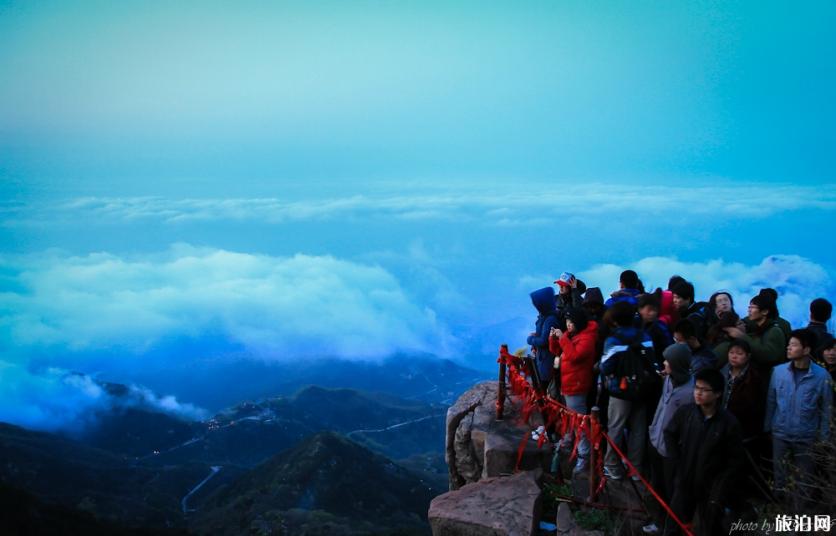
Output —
(710, 407)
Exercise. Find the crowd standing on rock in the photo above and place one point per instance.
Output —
(713, 408)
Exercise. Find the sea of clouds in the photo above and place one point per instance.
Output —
(70, 307)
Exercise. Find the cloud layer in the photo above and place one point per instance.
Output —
(490, 205)
(109, 314)
(272, 307)
(56, 400)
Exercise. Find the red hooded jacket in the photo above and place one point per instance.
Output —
(578, 358)
(667, 311)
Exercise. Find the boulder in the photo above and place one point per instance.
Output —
(498, 506)
(479, 446)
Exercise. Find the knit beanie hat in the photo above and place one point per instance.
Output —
(593, 295)
(771, 295)
(678, 357)
(578, 317)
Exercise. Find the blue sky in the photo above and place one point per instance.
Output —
(264, 180)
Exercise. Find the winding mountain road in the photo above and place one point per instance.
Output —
(185, 502)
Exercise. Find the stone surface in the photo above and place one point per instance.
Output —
(478, 446)
(565, 522)
(498, 506)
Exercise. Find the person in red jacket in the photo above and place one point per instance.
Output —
(576, 347)
(667, 310)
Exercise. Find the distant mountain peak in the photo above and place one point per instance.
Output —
(325, 472)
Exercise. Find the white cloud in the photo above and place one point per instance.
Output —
(139, 396)
(57, 400)
(274, 307)
(490, 205)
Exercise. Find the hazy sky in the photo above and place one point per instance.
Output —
(252, 98)
(360, 179)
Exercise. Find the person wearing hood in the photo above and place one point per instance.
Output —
(677, 390)
(667, 310)
(543, 301)
(593, 306)
(701, 356)
(576, 347)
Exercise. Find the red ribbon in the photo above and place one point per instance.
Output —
(564, 419)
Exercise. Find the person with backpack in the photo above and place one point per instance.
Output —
(543, 301)
(630, 374)
(647, 320)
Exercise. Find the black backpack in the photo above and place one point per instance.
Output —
(636, 374)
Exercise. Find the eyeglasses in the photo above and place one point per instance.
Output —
(704, 389)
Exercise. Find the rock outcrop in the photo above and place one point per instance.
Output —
(499, 506)
(487, 496)
(479, 446)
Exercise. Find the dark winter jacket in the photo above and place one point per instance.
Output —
(769, 346)
(572, 300)
(702, 358)
(543, 301)
(823, 340)
(697, 314)
(708, 453)
(629, 295)
(659, 333)
(667, 312)
(745, 398)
